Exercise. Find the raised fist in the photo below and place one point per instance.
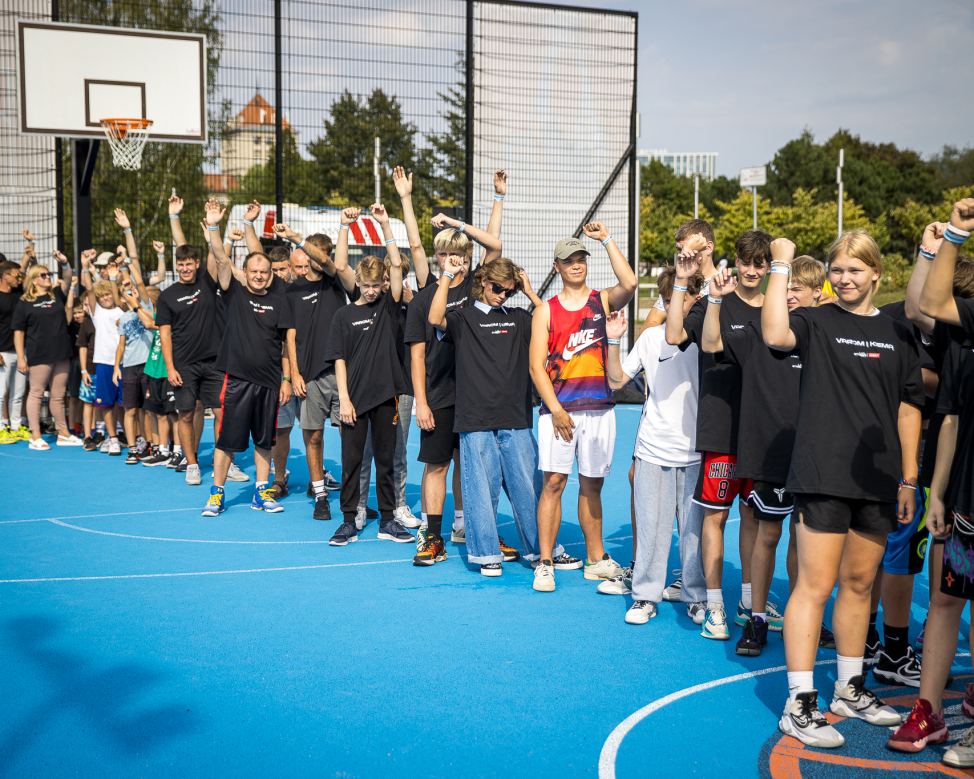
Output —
(380, 214)
(252, 212)
(234, 234)
(350, 215)
(158, 247)
(962, 216)
(61, 259)
(596, 231)
(782, 250)
(28, 236)
(500, 182)
(442, 221)
(87, 256)
(453, 264)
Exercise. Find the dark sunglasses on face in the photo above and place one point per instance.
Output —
(497, 289)
(43, 275)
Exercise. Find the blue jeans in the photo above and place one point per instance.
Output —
(491, 460)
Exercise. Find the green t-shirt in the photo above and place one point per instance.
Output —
(155, 365)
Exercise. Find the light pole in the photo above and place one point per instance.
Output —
(838, 179)
(375, 172)
(696, 197)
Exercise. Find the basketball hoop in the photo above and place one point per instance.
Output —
(127, 137)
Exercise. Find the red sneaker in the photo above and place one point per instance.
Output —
(968, 705)
(922, 727)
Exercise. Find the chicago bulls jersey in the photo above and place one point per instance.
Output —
(577, 348)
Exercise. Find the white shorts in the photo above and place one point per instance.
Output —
(593, 439)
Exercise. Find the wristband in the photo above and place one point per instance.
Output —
(926, 253)
(606, 240)
(614, 341)
(174, 216)
(463, 226)
(84, 371)
(33, 242)
(715, 301)
(955, 234)
(677, 288)
(248, 223)
(213, 227)
(449, 275)
(343, 227)
(391, 240)
(498, 198)
(300, 245)
(780, 269)
(904, 484)
(124, 232)
(287, 378)
(161, 256)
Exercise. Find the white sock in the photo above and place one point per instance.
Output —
(114, 439)
(164, 450)
(260, 485)
(715, 596)
(319, 488)
(800, 681)
(846, 668)
(4, 423)
(423, 517)
(458, 519)
(746, 595)
(100, 427)
(763, 616)
(177, 449)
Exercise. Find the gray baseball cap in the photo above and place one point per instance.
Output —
(566, 247)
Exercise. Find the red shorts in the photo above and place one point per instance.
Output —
(717, 484)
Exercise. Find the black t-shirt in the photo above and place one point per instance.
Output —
(898, 312)
(769, 404)
(8, 302)
(196, 315)
(45, 327)
(86, 338)
(73, 329)
(493, 375)
(956, 381)
(256, 328)
(440, 353)
(312, 306)
(856, 370)
(402, 349)
(364, 336)
(719, 409)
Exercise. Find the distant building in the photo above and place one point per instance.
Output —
(702, 164)
(249, 140)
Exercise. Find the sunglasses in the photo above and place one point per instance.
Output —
(497, 289)
(43, 276)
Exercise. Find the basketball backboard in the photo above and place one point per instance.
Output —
(70, 76)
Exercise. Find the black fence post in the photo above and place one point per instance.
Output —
(59, 168)
(633, 194)
(468, 183)
(84, 152)
(278, 116)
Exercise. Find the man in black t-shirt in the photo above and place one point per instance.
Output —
(256, 381)
(717, 419)
(12, 429)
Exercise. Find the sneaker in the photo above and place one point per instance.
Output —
(433, 551)
(371, 513)
(565, 562)
(264, 501)
(855, 700)
(322, 509)
(360, 519)
(697, 612)
(641, 612)
(193, 476)
(617, 585)
(802, 720)
(235, 474)
(103, 446)
(71, 440)
(182, 465)
(98, 437)
(458, 535)
(147, 453)
(675, 591)
(961, 755)
(132, 458)
(742, 615)
(175, 459)
(114, 447)
(38, 445)
(871, 653)
(345, 534)
(22, 432)
(715, 625)
(776, 622)
(391, 530)
(214, 506)
(967, 707)
(406, 518)
(605, 568)
(511, 555)
(922, 727)
(491, 569)
(8, 436)
(826, 640)
(331, 483)
(88, 444)
(904, 671)
(753, 639)
(544, 576)
(157, 458)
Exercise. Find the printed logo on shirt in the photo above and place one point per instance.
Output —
(312, 296)
(722, 471)
(664, 359)
(363, 322)
(865, 344)
(260, 308)
(579, 341)
(596, 318)
(47, 303)
(459, 302)
(738, 327)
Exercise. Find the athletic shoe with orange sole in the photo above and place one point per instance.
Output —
(433, 551)
(511, 555)
(921, 728)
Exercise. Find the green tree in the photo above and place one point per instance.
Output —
(446, 158)
(260, 182)
(954, 167)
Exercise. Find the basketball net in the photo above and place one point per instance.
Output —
(127, 137)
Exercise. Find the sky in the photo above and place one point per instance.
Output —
(743, 77)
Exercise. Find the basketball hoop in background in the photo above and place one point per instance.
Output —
(127, 137)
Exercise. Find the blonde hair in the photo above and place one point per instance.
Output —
(499, 271)
(808, 272)
(30, 291)
(405, 264)
(154, 293)
(103, 288)
(859, 245)
(370, 269)
(452, 239)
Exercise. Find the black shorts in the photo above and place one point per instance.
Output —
(436, 446)
(132, 394)
(770, 501)
(957, 574)
(840, 515)
(158, 396)
(248, 410)
(201, 381)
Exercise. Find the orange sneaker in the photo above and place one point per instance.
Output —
(511, 555)
(433, 551)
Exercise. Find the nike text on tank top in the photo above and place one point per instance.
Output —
(576, 356)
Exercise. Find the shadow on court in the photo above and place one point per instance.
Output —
(109, 700)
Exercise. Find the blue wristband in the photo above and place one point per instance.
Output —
(343, 227)
(213, 227)
(463, 226)
(606, 240)
(955, 234)
(124, 232)
(498, 198)
(926, 254)
(391, 240)
(248, 223)
(781, 270)
(174, 216)
(677, 288)
(300, 245)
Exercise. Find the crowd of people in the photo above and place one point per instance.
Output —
(775, 382)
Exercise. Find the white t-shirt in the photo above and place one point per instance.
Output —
(668, 427)
(105, 321)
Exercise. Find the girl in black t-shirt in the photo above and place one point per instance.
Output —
(853, 470)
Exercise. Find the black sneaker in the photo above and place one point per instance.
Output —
(872, 653)
(147, 453)
(565, 562)
(371, 513)
(902, 671)
(332, 484)
(132, 458)
(97, 438)
(158, 458)
(175, 459)
(345, 534)
(183, 465)
(491, 569)
(322, 509)
(89, 445)
(391, 530)
(826, 640)
(754, 637)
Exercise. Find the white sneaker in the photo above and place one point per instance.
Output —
(641, 612)
(697, 612)
(406, 518)
(617, 585)
(360, 519)
(854, 700)
(715, 625)
(193, 475)
(71, 440)
(605, 568)
(675, 591)
(804, 721)
(458, 535)
(114, 447)
(544, 578)
(235, 474)
(961, 754)
(104, 445)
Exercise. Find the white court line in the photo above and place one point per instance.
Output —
(16, 521)
(197, 573)
(610, 750)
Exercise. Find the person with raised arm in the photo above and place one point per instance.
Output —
(577, 416)
(853, 471)
(13, 381)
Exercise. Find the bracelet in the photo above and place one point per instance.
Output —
(779, 269)
(248, 223)
(715, 301)
(161, 256)
(84, 371)
(124, 232)
(300, 245)
(907, 485)
(213, 227)
(677, 288)
(391, 240)
(780, 264)
(33, 242)
(955, 234)
(449, 275)
(498, 198)
(463, 226)
(606, 240)
(614, 341)
(174, 216)
(343, 227)
(926, 253)
(287, 378)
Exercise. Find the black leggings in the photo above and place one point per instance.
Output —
(384, 419)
